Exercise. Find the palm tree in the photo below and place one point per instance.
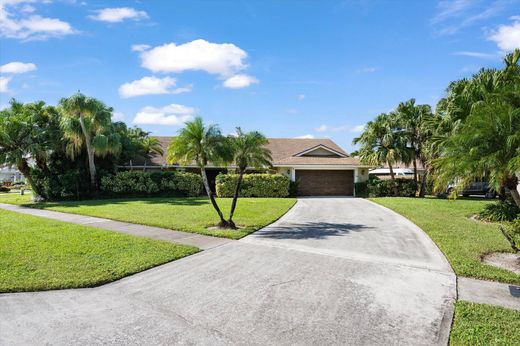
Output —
(487, 145)
(478, 136)
(17, 140)
(382, 142)
(411, 118)
(86, 122)
(417, 121)
(151, 145)
(201, 144)
(248, 151)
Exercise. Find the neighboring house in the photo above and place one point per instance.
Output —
(10, 174)
(401, 170)
(320, 166)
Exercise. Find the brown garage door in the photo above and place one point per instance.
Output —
(325, 183)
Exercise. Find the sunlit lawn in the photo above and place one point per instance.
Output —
(184, 214)
(42, 254)
(483, 325)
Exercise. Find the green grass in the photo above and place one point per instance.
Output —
(183, 214)
(480, 324)
(15, 198)
(462, 240)
(40, 254)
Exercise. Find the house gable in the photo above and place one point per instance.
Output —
(320, 151)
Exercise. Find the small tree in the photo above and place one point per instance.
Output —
(201, 144)
(86, 123)
(248, 151)
(29, 134)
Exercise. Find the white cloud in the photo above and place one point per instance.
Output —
(173, 114)
(140, 47)
(507, 37)
(17, 67)
(17, 20)
(358, 128)
(3, 84)
(301, 97)
(151, 86)
(118, 116)
(458, 14)
(308, 136)
(477, 55)
(327, 128)
(119, 14)
(223, 59)
(239, 81)
(322, 128)
(449, 8)
(27, 9)
(367, 70)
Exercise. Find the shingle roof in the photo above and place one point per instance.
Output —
(283, 150)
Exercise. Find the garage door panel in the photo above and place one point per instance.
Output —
(325, 182)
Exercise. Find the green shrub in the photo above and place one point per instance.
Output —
(253, 185)
(4, 189)
(143, 183)
(361, 189)
(385, 188)
(514, 232)
(294, 187)
(500, 211)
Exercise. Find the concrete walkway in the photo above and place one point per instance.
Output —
(489, 292)
(332, 271)
(201, 241)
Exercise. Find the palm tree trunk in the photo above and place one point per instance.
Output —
(223, 223)
(235, 198)
(90, 153)
(392, 176)
(516, 196)
(422, 190)
(415, 170)
(23, 167)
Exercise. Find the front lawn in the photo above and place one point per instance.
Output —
(15, 198)
(41, 254)
(462, 240)
(183, 214)
(480, 324)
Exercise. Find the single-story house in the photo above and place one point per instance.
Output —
(320, 166)
(10, 174)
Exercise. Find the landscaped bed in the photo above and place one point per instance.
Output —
(42, 254)
(480, 324)
(183, 214)
(462, 240)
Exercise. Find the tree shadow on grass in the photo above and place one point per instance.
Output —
(310, 230)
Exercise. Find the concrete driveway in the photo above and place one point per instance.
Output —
(331, 271)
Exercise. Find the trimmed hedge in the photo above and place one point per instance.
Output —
(361, 189)
(253, 185)
(139, 183)
(385, 188)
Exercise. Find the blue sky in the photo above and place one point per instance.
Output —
(285, 68)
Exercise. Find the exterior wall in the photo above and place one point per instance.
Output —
(360, 175)
(286, 171)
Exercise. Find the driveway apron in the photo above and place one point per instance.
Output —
(331, 271)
